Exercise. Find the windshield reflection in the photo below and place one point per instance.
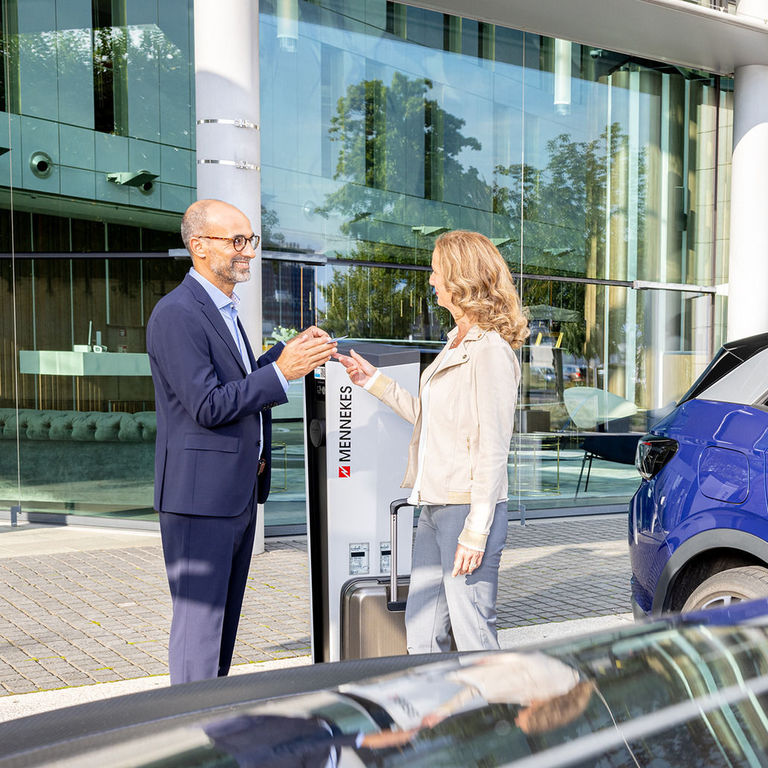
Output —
(654, 695)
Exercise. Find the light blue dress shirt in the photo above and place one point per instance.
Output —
(227, 305)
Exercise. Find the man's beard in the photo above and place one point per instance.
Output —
(230, 273)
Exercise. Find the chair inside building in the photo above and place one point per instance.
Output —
(605, 417)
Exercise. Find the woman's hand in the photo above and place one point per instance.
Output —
(432, 719)
(387, 738)
(466, 560)
(358, 368)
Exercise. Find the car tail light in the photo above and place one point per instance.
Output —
(653, 453)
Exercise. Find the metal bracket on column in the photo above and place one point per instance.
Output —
(238, 122)
(240, 164)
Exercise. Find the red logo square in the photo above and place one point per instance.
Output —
(344, 471)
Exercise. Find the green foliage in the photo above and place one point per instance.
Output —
(379, 128)
(381, 303)
(564, 209)
(270, 233)
(400, 153)
(396, 138)
(283, 334)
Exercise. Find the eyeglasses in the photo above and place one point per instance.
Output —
(238, 241)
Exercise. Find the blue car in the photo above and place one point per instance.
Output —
(698, 524)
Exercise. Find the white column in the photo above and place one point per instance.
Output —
(757, 9)
(748, 252)
(630, 308)
(228, 142)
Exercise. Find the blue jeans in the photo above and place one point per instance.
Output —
(438, 602)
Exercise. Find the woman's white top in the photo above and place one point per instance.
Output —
(424, 397)
(424, 400)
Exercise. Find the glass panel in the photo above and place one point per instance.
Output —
(603, 365)
(383, 125)
(11, 295)
(387, 146)
(627, 139)
(675, 345)
(580, 163)
(389, 305)
(87, 416)
(288, 299)
(385, 304)
(288, 305)
(80, 81)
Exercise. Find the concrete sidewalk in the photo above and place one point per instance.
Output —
(80, 606)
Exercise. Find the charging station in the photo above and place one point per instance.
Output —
(356, 451)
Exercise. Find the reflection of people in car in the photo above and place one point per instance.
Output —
(278, 741)
(550, 692)
(457, 462)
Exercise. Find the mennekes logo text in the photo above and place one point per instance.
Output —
(345, 430)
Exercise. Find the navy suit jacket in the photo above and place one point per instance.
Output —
(208, 408)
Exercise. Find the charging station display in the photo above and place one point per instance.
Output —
(356, 450)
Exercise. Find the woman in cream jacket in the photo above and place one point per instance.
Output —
(457, 458)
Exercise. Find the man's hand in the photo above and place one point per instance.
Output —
(466, 560)
(315, 332)
(305, 352)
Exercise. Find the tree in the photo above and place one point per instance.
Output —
(397, 146)
(381, 303)
(564, 210)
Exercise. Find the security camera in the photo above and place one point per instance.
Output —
(41, 164)
(139, 179)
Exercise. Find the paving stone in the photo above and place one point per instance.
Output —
(103, 615)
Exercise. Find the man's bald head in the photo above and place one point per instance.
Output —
(208, 229)
(197, 217)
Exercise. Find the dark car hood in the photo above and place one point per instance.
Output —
(681, 691)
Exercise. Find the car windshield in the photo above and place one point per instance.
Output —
(659, 695)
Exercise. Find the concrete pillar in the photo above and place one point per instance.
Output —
(228, 141)
(748, 253)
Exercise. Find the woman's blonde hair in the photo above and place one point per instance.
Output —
(480, 284)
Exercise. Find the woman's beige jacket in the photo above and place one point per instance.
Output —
(471, 414)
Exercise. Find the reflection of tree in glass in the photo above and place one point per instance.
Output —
(394, 138)
(564, 210)
(397, 147)
(379, 303)
(107, 51)
(564, 205)
(270, 234)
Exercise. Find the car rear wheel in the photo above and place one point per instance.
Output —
(726, 587)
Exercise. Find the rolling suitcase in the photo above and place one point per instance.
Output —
(373, 607)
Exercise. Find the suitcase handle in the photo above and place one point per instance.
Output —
(394, 604)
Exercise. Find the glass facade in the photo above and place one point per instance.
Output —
(602, 178)
(98, 108)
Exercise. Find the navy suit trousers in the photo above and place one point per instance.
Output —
(207, 561)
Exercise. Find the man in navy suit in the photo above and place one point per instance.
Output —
(212, 461)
